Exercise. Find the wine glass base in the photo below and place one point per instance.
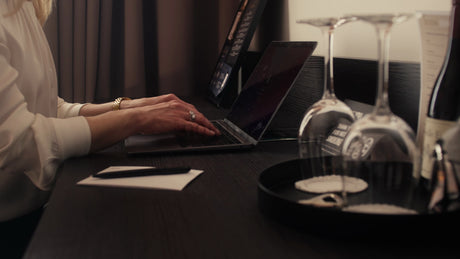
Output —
(386, 209)
(331, 183)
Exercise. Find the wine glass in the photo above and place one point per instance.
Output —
(324, 124)
(380, 147)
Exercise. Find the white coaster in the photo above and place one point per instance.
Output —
(331, 183)
(376, 208)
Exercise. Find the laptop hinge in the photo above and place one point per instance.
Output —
(237, 132)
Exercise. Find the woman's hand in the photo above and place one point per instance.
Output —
(174, 115)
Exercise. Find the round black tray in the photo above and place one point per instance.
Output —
(277, 198)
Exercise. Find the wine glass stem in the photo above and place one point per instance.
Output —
(382, 106)
(328, 35)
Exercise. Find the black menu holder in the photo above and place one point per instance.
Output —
(223, 87)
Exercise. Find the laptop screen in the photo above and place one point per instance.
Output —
(268, 85)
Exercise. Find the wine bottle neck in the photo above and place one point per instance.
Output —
(455, 20)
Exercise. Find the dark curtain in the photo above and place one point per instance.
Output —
(206, 45)
(150, 32)
(190, 35)
(116, 60)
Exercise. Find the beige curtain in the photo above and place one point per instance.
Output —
(98, 49)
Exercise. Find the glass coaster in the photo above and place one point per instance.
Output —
(379, 209)
(331, 183)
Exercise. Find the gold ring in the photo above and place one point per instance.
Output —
(116, 104)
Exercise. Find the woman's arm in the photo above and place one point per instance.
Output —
(163, 117)
(96, 109)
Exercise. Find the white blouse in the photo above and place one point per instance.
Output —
(38, 130)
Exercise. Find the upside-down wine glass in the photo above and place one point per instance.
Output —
(380, 147)
(323, 125)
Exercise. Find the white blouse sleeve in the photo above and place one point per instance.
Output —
(66, 110)
(31, 143)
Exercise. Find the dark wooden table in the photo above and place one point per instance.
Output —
(215, 216)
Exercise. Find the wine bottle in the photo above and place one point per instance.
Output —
(444, 105)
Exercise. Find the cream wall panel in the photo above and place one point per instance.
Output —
(358, 40)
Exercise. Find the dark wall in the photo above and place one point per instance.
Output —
(354, 80)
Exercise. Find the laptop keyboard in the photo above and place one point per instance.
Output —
(198, 140)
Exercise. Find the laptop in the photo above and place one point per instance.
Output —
(252, 111)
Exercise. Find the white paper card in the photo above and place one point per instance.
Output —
(175, 182)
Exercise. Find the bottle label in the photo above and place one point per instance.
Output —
(434, 129)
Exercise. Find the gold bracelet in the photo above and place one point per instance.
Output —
(117, 102)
